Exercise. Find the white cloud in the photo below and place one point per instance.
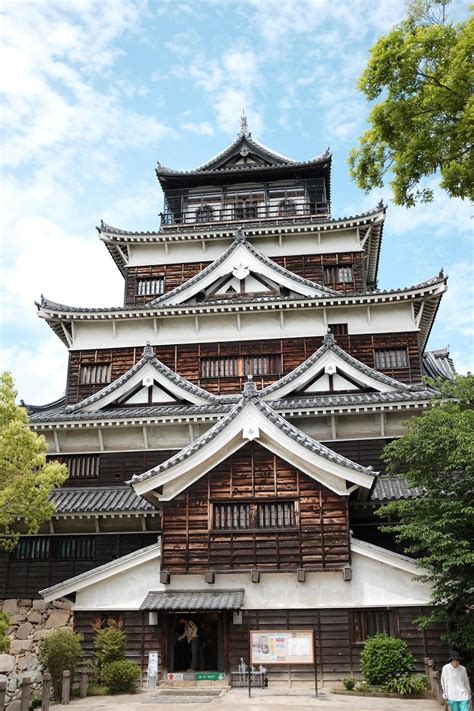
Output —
(202, 129)
(457, 307)
(39, 372)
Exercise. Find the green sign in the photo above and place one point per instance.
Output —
(209, 676)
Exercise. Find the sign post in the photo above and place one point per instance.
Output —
(287, 647)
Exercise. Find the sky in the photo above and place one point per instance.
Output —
(95, 92)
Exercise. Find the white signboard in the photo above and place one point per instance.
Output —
(281, 647)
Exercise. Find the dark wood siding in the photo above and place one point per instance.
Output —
(319, 540)
(24, 578)
(312, 267)
(185, 359)
(173, 274)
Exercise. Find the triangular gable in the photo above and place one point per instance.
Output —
(330, 370)
(241, 262)
(148, 382)
(252, 419)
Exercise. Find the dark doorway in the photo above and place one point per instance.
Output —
(209, 644)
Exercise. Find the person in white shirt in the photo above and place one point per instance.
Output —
(455, 684)
(191, 634)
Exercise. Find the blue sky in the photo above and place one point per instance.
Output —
(97, 91)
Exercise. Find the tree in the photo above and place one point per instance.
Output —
(437, 454)
(26, 480)
(423, 124)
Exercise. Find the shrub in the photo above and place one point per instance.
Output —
(58, 652)
(361, 686)
(109, 646)
(121, 676)
(349, 684)
(384, 657)
(406, 684)
(4, 625)
(97, 690)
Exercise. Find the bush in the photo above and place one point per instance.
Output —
(58, 652)
(4, 625)
(121, 676)
(361, 686)
(109, 646)
(406, 684)
(384, 657)
(349, 684)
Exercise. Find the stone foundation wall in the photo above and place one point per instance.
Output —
(30, 622)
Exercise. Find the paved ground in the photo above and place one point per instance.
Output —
(237, 700)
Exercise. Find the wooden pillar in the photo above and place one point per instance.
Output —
(84, 683)
(25, 693)
(46, 692)
(66, 690)
(3, 689)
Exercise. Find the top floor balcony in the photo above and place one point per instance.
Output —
(188, 209)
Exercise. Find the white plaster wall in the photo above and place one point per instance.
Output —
(145, 254)
(373, 584)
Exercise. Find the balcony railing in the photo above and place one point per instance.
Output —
(199, 215)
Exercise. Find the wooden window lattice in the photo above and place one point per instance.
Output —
(55, 548)
(386, 358)
(366, 623)
(96, 373)
(338, 275)
(240, 516)
(240, 366)
(150, 287)
(83, 467)
(338, 329)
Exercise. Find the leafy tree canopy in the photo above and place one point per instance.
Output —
(422, 72)
(437, 454)
(26, 480)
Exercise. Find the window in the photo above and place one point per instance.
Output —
(150, 287)
(205, 213)
(98, 373)
(338, 329)
(391, 358)
(83, 467)
(238, 516)
(55, 548)
(335, 274)
(239, 366)
(245, 210)
(287, 207)
(369, 622)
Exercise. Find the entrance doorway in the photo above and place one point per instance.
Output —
(209, 648)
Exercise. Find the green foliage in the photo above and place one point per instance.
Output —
(4, 625)
(26, 480)
(423, 74)
(436, 454)
(384, 657)
(361, 686)
(35, 702)
(59, 652)
(349, 684)
(109, 646)
(121, 676)
(97, 690)
(406, 684)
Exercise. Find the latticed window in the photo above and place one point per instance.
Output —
(240, 516)
(366, 623)
(205, 213)
(150, 287)
(83, 467)
(386, 358)
(245, 210)
(338, 274)
(96, 373)
(55, 548)
(338, 329)
(287, 207)
(239, 366)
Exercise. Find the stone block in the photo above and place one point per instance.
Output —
(27, 662)
(24, 630)
(20, 645)
(57, 618)
(34, 616)
(7, 663)
(14, 705)
(41, 634)
(24, 602)
(62, 605)
(40, 605)
(10, 606)
(17, 618)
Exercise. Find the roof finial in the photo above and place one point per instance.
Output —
(329, 337)
(250, 389)
(148, 350)
(244, 127)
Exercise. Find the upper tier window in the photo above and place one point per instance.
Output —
(240, 366)
(336, 274)
(338, 329)
(85, 466)
(97, 373)
(150, 287)
(242, 516)
(205, 213)
(55, 548)
(386, 358)
(245, 210)
(287, 207)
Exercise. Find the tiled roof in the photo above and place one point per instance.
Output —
(438, 364)
(111, 499)
(193, 600)
(133, 412)
(147, 357)
(240, 239)
(387, 488)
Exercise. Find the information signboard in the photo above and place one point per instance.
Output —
(281, 647)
